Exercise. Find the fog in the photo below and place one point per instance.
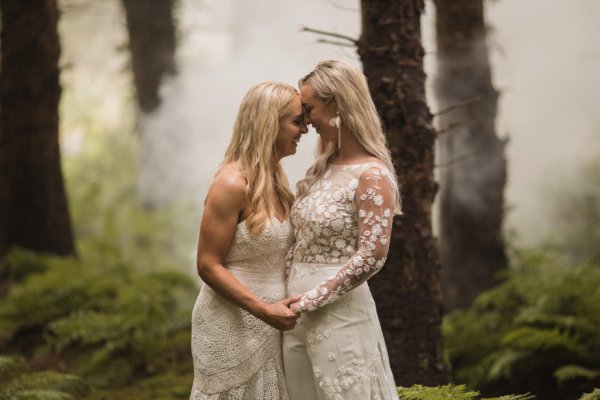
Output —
(545, 59)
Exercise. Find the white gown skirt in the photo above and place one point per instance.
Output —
(338, 351)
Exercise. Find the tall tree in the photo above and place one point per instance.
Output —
(34, 212)
(392, 55)
(473, 174)
(152, 45)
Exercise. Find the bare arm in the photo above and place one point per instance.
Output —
(224, 204)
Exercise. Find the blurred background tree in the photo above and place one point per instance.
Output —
(472, 161)
(33, 205)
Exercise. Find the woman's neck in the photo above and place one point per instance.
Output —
(350, 150)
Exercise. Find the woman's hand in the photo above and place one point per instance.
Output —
(279, 315)
(295, 306)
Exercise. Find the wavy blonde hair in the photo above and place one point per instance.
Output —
(252, 146)
(346, 86)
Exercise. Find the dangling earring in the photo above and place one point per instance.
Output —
(337, 122)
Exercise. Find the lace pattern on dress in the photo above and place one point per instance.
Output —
(349, 222)
(233, 351)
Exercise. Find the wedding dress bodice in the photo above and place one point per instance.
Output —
(234, 352)
(345, 218)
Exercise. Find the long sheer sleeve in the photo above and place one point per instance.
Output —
(374, 200)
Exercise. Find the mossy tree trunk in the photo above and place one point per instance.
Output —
(33, 209)
(407, 290)
(473, 164)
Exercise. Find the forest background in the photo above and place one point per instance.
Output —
(113, 322)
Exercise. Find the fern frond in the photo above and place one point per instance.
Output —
(11, 366)
(525, 396)
(37, 394)
(502, 363)
(595, 395)
(533, 339)
(419, 392)
(569, 372)
(50, 380)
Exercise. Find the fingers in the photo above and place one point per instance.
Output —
(290, 300)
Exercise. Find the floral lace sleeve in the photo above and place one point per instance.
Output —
(374, 199)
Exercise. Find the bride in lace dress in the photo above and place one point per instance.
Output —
(244, 238)
(342, 221)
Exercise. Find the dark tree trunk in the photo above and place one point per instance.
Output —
(473, 174)
(407, 290)
(152, 44)
(34, 205)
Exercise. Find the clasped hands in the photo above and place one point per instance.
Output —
(283, 314)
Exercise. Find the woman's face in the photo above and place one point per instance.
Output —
(291, 128)
(319, 113)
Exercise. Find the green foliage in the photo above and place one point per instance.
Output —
(455, 392)
(17, 383)
(595, 395)
(542, 323)
(115, 319)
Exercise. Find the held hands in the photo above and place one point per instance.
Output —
(279, 315)
(295, 306)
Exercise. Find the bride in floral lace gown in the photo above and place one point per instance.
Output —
(244, 238)
(342, 223)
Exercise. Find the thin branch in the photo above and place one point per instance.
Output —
(342, 7)
(454, 125)
(457, 160)
(332, 34)
(335, 43)
(462, 104)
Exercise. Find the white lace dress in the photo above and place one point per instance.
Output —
(237, 356)
(342, 229)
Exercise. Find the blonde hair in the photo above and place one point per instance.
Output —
(252, 146)
(346, 86)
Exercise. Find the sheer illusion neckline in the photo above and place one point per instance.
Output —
(357, 164)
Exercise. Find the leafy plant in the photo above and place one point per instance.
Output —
(455, 392)
(537, 331)
(20, 384)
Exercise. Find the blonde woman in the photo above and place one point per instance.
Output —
(244, 237)
(342, 221)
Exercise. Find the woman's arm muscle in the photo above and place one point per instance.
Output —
(225, 202)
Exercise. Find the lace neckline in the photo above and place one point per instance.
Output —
(274, 217)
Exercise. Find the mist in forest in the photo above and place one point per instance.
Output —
(545, 61)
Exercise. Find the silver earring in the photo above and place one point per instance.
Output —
(337, 122)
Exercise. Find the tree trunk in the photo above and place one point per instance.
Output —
(473, 174)
(407, 290)
(152, 44)
(34, 205)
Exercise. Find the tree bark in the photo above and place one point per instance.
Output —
(34, 206)
(152, 45)
(472, 187)
(407, 290)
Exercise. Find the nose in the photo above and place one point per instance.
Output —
(306, 119)
(303, 128)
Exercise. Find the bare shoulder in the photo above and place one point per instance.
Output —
(228, 190)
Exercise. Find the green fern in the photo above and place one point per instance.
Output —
(569, 372)
(512, 397)
(543, 320)
(45, 385)
(419, 392)
(11, 366)
(450, 391)
(595, 395)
